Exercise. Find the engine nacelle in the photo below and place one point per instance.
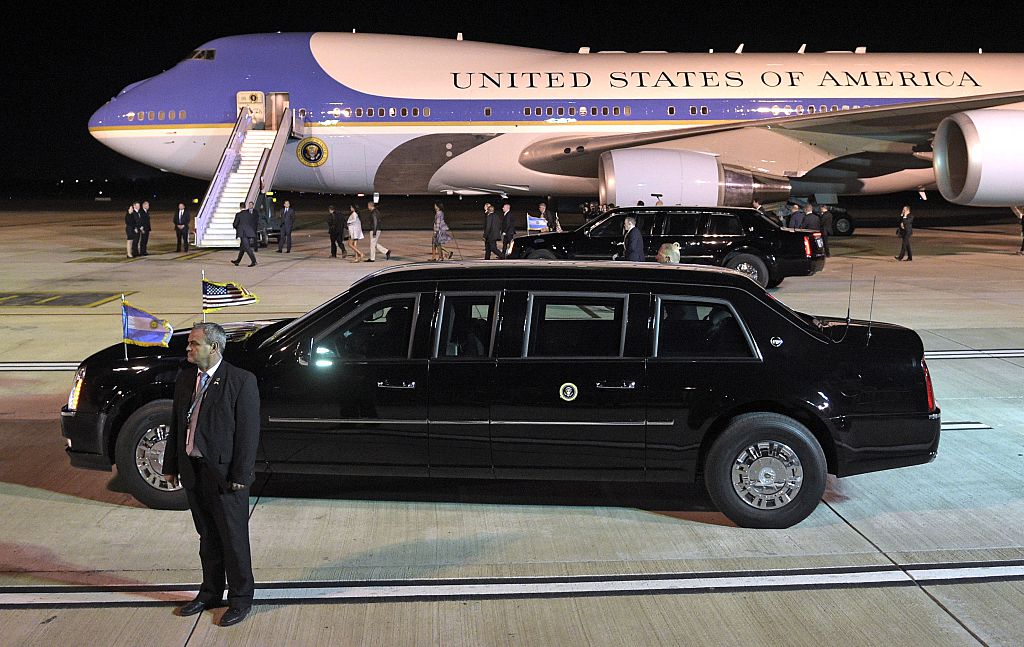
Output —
(682, 177)
(979, 158)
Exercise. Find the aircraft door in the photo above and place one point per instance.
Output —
(255, 101)
(277, 103)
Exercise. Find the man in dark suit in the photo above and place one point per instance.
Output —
(508, 228)
(135, 218)
(145, 227)
(181, 220)
(245, 229)
(287, 221)
(492, 232)
(633, 241)
(211, 449)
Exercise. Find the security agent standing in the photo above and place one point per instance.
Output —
(245, 229)
(337, 229)
(145, 226)
(508, 228)
(211, 449)
(181, 221)
(826, 227)
(633, 241)
(287, 221)
(492, 232)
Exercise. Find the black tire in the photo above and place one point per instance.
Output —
(842, 226)
(775, 282)
(793, 450)
(541, 255)
(139, 457)
(750, 265)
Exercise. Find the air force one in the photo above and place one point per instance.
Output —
(361, 113)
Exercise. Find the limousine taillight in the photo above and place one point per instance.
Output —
(928, 385)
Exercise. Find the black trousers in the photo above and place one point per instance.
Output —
(143, 242)
(222, 521)
(505, 242)
(285, 235)
(491, 246)
(182, 237)
(338, 240)
(245, 247)
(905, 249)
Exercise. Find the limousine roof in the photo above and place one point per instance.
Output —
(580, 270)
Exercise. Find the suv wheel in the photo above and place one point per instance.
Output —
(139, 455)
(843, 226)
(750, 265)
(766, 470)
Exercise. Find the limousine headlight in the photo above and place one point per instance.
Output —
(76, 388)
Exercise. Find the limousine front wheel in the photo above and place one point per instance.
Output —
(766, 470)
(139, 454)
(750, 265)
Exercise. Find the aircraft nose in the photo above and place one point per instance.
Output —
(101, 117)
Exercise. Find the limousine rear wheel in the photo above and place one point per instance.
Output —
(750, 265)
(541, 255)
(139, 455)
(766, 470)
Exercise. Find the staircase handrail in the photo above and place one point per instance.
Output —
(256, 187)
(276, 152)
(231, 149)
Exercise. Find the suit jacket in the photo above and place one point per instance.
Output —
(144, 221)
(906, 226)
(131, 224)
(508, 226)
(634, 244)
(185, 219)
(377, 223)
(228, 429)
(245, 224)
(287, 219)
(492, 226)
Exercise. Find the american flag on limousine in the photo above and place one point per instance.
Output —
(225, 295)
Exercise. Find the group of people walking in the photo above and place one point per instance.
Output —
(342, 228)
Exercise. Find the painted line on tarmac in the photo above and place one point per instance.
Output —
(964, 426)
(14, 367)
(526, 587)
(974, 354)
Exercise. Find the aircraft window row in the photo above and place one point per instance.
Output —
(572, 111)
(152, 115)
(812, 109)
(381, 112)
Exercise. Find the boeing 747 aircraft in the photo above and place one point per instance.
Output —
(354, 113)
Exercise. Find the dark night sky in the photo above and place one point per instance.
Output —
(60, 64)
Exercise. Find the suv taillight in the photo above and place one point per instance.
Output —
(928, 386)
(807, 246)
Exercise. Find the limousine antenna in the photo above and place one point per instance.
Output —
(871, 311)
(849, 303)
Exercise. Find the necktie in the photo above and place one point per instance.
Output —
(193, 412)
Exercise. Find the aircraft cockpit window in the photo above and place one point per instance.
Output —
(202, 55)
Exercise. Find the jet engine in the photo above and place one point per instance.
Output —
(682, 177)
(979, 158)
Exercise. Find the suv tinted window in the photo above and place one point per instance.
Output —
(466, 323)
(379, 331)
(721, 224)
(681, 224)
(699, 329)
(612, 227)
(571, 326)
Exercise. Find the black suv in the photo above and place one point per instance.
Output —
(740, 239)
(512, 370)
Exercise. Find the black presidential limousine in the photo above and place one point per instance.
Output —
(737, 238)
(584, 371)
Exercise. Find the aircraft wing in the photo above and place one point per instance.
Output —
(910, 123)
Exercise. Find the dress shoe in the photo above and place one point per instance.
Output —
(369, 260)
(278, 251)
(252, 264)
(233, 616)
(387, 255)
(235, 262)
(193, 607)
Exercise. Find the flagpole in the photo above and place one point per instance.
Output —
(124, 340)
(204, 308)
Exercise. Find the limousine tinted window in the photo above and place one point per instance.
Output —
(381, 330)
(722, 224)
(699, 329)
(682, 224)
(581, 326)
(466, 325)
(612, 227)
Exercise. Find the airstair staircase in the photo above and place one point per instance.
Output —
(246, 170)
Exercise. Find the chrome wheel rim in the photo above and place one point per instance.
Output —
(749, 269)
(149, 458)
(767, 475)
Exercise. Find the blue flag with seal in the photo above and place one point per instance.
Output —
(142, 328)
(536, 222)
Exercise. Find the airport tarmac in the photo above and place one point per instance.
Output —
(932, 554)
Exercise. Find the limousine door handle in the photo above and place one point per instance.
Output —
(621, 385)
(400, 385)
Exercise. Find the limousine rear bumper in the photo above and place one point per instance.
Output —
(799, 266)
(879, 442)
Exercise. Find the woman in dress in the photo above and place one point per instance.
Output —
(441, 236)
(355, 233)
(131, 231)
